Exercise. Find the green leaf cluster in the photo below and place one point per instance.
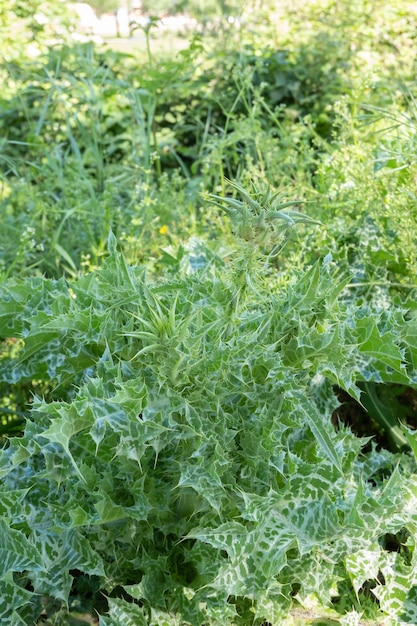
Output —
(174, 450)
(191, 460)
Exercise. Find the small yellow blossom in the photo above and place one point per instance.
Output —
(163, 230)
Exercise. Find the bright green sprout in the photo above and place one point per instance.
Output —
(255, 216)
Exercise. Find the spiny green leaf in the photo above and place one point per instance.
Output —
(320, 431)
(122, 612)
(17, 553)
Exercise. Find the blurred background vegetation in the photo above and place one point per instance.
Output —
(96, 133)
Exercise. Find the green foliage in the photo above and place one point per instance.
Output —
(173, 448)
(26, 28)
(191, 459)
(104, 6)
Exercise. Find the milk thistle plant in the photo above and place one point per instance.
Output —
(202, 417)
(183, 463)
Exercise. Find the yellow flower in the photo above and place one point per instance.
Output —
(163, 230)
